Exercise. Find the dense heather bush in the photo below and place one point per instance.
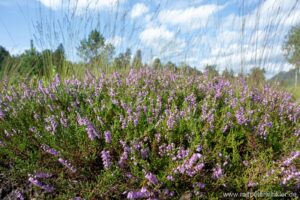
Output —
(148, 134)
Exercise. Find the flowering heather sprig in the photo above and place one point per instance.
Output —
(143, 193)
(63, 120)
(292, 157)
(264, 125)
(123, 159)
(67, 164)
(199, 185)
(297, 132)
(49, 150)
(90, 129)
(290, 173)
(190, 166)
(107, 136)
(165, 149)
(181, 153)
(252, 184)
(19, 195)
(171, 121)
(151, 178)
(43, 175)
(2, 115)
(40, 184)
(106, 159)
(170, 178)
(158, 137)
(240, 116)
(217, 172)
(145, 153)
(199, 148)
(51, 124)
(125, 155)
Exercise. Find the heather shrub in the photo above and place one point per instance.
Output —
(148, 134)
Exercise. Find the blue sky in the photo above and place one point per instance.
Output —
(230, 33)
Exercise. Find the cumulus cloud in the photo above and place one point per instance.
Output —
(192, 17)
(162, 41)
(138, 10)
(152, 34)
(81, 5)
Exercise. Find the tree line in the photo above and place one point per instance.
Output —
(95, 51)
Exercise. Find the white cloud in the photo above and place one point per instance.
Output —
(138, 10)
(81, 5)
(192, 17)
(162, 41)
(153, 34)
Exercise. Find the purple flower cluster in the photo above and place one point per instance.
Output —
(67, 164)
(217, 172)
(125, 155)
(90, 129)
(151, 178)
(181, 154)
(49, 150)
(252, 184)
(107, 136)
(142, 193)
(106, 159)
(166, 149)
(290, 173)
(51, 124)
(2, 115)
(36, 182)
(241, 117)
(42, 175)
(190, 166)
(173, 126)
(290, 159)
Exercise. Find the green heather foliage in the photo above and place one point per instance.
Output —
(148, 133)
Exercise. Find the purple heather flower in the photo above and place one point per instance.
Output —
(151, 178)
(67, 165)
(19, 195)
(199, 148)
(123, 159)
(170, 178)
(245, 163)
(43, 175)
(143, 193)
(158, 137)
(40, 184)
(199, 185)
(217, 172)
(51, 124)
(107, 137)
(240, 116)
(292, 157)
(106, 159)
(171, 121)
(2, 115)
(91, 131)
(49, 150)
(194, 158)
(252, 184)
(144, 153)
